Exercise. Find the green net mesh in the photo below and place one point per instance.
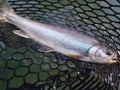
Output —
(23, 67)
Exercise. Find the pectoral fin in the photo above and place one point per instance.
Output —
(20, 33)
(2, 20)
(74, 56)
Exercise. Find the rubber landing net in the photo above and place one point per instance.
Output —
(23, 67)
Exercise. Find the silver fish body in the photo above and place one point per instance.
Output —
(68, 42)
(62, 40)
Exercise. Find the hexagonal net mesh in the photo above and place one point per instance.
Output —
(23, 67)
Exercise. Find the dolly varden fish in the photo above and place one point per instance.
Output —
(54, 38)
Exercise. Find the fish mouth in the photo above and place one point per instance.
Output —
(113, 60)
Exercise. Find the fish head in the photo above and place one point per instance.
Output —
(102, 54)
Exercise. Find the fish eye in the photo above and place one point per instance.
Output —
(108, 53)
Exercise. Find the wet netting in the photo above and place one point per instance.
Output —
(23, 67)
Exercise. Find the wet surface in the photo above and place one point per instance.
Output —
(23, 67)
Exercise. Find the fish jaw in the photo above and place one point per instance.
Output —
(111, 61)
(99, 54)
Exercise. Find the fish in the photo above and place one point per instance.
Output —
(52, 38)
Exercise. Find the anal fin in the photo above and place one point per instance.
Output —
(20, 33)
(40, 47)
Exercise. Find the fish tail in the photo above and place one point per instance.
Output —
(4, 10)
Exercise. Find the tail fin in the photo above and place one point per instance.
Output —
(4, 9)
